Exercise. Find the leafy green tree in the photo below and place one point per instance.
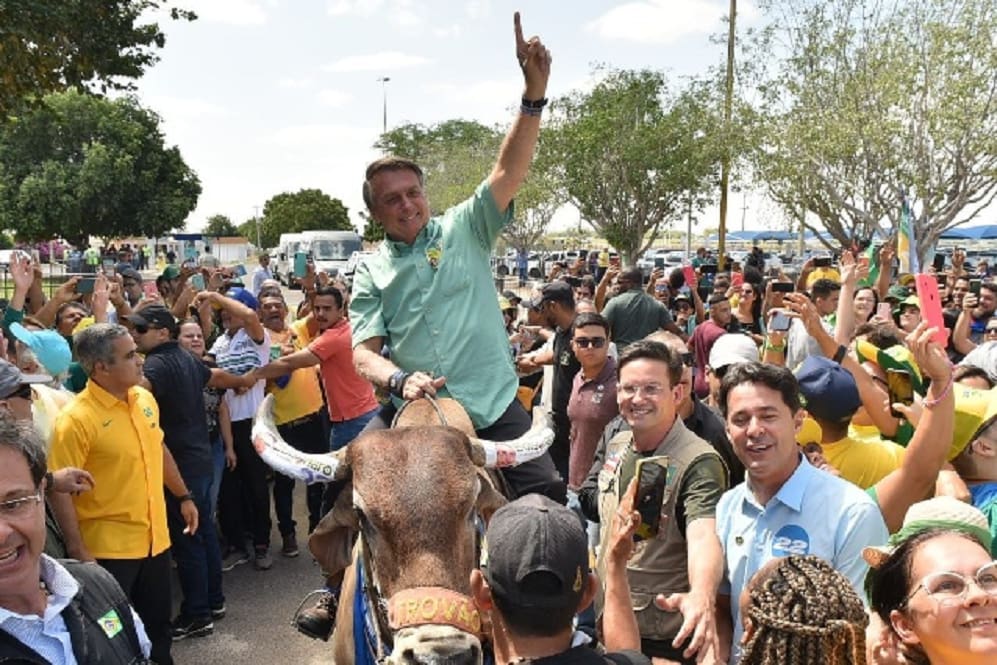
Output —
(53, 45)
(81, 165)
(372, 231)
(219, 226)
(304, 210)
(874, 98)
(629, 153)
(455, 156)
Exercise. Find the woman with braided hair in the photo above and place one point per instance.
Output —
(799, 610)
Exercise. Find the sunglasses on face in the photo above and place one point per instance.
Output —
(688, 359)
(991, 331)
(594, 342)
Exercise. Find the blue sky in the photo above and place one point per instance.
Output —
(265, 96)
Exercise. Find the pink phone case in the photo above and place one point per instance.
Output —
(931, 306)
(690, 274)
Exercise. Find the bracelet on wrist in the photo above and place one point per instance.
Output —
(396, 382)
(49, 481)
(930, 403)
(532, 107)
(778, 348)
(185, 497)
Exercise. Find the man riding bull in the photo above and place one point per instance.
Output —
(427, 293)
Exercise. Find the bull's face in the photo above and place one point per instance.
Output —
(414, 493)
(414, 490)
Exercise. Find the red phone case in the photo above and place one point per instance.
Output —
(931, 306)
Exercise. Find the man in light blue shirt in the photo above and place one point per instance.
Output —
(785, 506)
(52, 612)
(428, 295)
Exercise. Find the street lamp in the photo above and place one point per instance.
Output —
(384, 92)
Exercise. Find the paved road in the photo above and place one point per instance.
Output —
(260, 604)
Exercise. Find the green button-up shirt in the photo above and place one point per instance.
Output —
(435, 304)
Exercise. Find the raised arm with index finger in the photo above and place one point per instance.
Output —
(517, 149)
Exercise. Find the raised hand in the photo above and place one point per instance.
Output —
(534, 59)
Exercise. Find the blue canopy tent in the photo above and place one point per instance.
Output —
(985, 232)
(957, 234)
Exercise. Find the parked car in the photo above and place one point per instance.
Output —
(660, 258)
(356, 258)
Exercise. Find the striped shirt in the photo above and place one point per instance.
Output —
(239, 354)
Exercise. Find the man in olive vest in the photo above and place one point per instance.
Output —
(674, 574)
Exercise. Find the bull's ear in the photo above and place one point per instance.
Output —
(489, 499)
(331, 542)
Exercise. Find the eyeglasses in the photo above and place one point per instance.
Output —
(24, 392)
(688, 359)
(991, 331)
(949, 587)
(594, 342)
(141, 330)
(649, 390)
(19, 508)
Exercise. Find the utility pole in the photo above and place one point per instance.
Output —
(384, 95)
(725, 160)
(256, 218)
(744, 211)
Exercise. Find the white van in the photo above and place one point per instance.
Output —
(283, 268)
(331, 250)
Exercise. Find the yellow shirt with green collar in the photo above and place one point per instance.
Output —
(863, 461)
(301, 396)
(121, 444)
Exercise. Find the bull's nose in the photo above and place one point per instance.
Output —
(471, 656)
(436, 645)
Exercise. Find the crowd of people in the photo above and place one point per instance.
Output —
(822, 461)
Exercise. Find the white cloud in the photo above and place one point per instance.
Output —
(183, 108)
(292, 83)
(310, 136)
(233, 12)
(663, 21)
(478, 9)
(488, 101)
(334, 98)
(376, 62)
(400, 13)
(447, 31)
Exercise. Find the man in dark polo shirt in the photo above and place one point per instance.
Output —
(177, 379)
(634, 314)
(556, 307)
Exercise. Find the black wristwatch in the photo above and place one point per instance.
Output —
(185, 497)
(396, 382)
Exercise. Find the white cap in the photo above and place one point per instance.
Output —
(732, 348)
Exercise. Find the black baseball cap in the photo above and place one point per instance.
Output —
(556, 291)
(537, 554)
(154, 316)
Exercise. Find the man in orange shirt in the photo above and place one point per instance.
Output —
(351, 406)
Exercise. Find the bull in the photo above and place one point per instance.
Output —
(417, 496)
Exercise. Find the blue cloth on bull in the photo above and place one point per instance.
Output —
(364, 635)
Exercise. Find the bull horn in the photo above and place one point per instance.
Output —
(529, 446)
(280, 456)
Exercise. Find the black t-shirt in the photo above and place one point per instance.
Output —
(178, 380)
(565, 368)
(585, 655)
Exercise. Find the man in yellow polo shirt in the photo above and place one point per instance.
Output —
(298, 407)
(111, 429)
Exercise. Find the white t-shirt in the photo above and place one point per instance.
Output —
(237, 355)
